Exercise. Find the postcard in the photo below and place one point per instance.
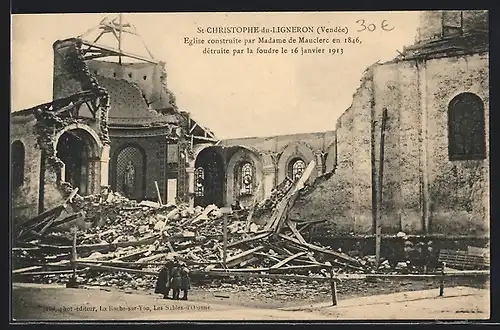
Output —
(250, 166)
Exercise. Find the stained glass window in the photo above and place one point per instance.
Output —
(298, 168)
(246, 179)
(199, 176)
(466, 128)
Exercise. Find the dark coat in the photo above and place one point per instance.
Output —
(185, 280)
(176, 279)
(162, 281)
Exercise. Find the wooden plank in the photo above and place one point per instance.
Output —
(380, 184)
(158, 194)
(117, 269)
(249, 261)
(51, 272)
(321, 250)
(257, 275)
(26, 269)
(250, 239)
(267, 256)
(252, 208)
(297, 234)
(284, 216)
(224, 240)
(434, 276)
(115, 52)
(274, 223)
(139, 263)
(286, 260)
(144, 241)
(234, 260)
(343, 277)
(67, 219)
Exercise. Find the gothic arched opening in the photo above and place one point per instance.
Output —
(129, 175)
(295, 169)
(79, 152)
(210, 185)
(466, 128)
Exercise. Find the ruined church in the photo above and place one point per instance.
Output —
(115, 125)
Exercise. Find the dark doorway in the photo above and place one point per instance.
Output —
(212, 180)
(73, 149)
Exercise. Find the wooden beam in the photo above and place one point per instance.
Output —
(118, 269)
(297, 234)
(224, 239)
(286, 260)
(231, 260)
(193, 128)
(380, 181)
(50, 272)
(250, 239)
(144, 241)
(252, 208)
(321, 250)
(116, 52)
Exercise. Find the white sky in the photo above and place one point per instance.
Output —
(235, 96)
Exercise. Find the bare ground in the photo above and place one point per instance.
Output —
(357, 299)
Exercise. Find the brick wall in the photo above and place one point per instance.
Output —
(154, 149)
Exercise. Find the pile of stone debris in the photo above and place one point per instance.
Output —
(109, 240)
(124, 243)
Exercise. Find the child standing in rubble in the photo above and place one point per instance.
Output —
(176, 280)
(185, 281)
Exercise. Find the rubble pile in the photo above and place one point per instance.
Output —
(128, 242)
(277, 194)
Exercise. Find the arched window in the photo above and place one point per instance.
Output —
(466, 128)
(17, 164)
(246, 179)
(297, 167)
(199, 176)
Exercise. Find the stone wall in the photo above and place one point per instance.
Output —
(154, 150)
(29, 199)
(320, 147)
(459, 190)
(344, 200)
(318, 141)
(431, 26)
(422, 189)
(65, 82)
(148, 77)
(25, 198)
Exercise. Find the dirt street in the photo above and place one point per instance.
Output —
(55, 302)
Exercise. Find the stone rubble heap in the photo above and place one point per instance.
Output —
(123, 243)
(129, 241)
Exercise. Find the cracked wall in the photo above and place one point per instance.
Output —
(25, 198)
(459, 190)
(40, 186)
(344, 200)
(421, 186)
